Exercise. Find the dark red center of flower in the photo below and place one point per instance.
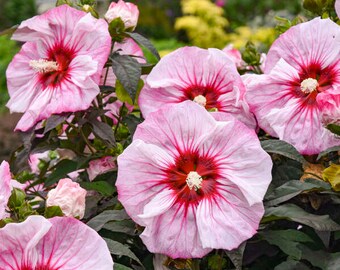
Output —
(313, 80)
(192, 164)
(57, 64)
(210, 93)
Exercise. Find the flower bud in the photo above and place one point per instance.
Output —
(127, 12)
(99, 166)
(69, 196)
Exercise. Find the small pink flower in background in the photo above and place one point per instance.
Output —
(99, 166)
(69, 196)
(302, 73)
(220, 3)
(58, 68)
(235, 55)
(35, 159)
(56, 243)
(337, 8)
(128, 12)
(5, 187)
(207, 77)
(195, 184)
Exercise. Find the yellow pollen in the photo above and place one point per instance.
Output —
(43, 66)
(201, 100)
(309, 85)
(194, 180)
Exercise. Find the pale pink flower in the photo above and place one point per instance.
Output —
(35, 159)
(5, 187)
(235, 55)
(56, 243)
(337, 8)
(99, 166)
(193, 182)
(58, 68)
(302, 72)
(207, 77)
(69, 196)
(128, 13)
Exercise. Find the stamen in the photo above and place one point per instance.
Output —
(309, 85)
(201, 100)
(43, 66)
(194, 180)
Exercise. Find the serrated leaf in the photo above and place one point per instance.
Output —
(99, 221)
(117, 248)
(282, 148)
(127, 71)
(287, 241)
(63, 167)
(293, 188)
(236, 256)
(145, 42)
(54, 121)
(103, 131)
(297, 214)
(102, 187)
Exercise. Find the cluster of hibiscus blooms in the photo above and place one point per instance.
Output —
(195, 174)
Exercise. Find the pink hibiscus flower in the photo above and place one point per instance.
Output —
(56, 243)
(193, 182)
(207, 77)
(302, 72)
(58, 68)
(5, 188)
(337, 8)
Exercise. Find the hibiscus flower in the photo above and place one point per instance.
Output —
(193, 182)
(58, 68)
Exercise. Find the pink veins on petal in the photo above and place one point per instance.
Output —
(193, 182)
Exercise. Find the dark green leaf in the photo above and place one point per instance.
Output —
(127, 71)
(145, 42)
(236, 256)
(117, 248)
(293, 188)
(321, 259)
(282, 148)
(332, 149)
(54, 121)
(284, 171)
(99, 221)
(121, 267)
(123, 226)
(297, 214)
(287, 241)
(124, 96)
(102, 187)
(53, 211)
(103, 131)
(63, 168)
(106, 89)
(334, 129)
(292, 265)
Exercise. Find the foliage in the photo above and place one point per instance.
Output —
(204, 23)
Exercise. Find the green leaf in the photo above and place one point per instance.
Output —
(282, 148)
(102, 187)
(53, 121)
(297, 214)
(99, 221)
(293, 188)
(124, 96)
(123, 226)
(321, 259)
(332, 149)
(236, 256)
(117, 248)
(121, 267)
(9, 31)
(145, 42)
(53, 211)
(292, 265)
(334, 128)
(128, 72)
(287, 241)
(63, 168)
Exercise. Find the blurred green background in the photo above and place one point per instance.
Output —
(243, 20)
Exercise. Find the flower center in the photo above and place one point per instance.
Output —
(201, 100)
(194, 180)
(309, 85)
(44, 66)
